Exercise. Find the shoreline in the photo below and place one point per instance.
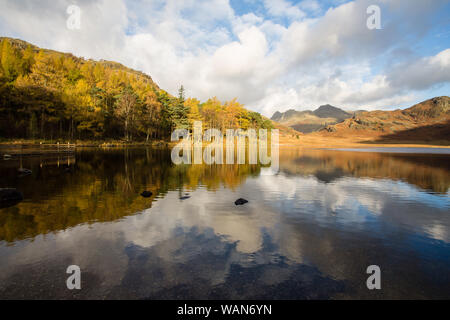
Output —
(162, 143)
(362, 146)
(315, 141)
(80, 143)
(305, 141)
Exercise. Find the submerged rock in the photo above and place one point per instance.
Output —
(24, 171)
(9, 197)
(68, 169)
(147, 194)
(240, 202)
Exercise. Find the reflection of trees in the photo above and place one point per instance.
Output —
(106, 185)
(124, 180)
(429, 172)
(103, 186)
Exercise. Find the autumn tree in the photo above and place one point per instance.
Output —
(212, 113)
(46, 94)
(126, 110)
(9, 61)
(193, 107)
(149, 111)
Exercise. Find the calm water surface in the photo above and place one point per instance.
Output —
(309, 232)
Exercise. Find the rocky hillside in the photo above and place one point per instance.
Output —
(21, 45)
(309, 121)
(426, 121)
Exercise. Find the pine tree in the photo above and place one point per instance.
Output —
(181, 93)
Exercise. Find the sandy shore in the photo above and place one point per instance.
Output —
(313, 141)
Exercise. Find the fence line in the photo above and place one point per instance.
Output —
(36, 149)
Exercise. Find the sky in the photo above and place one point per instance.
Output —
(272, 55)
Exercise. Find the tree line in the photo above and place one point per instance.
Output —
(50, 95)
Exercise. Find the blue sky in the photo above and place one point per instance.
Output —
(270, 54)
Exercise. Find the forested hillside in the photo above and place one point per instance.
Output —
(50, 95)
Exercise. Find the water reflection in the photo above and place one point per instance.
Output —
(309, 232)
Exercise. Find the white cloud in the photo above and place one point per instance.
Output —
(283, 8)
(289, 56)
(422, 73)
(310, 5)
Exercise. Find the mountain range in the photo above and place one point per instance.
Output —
(309, 121)
(428, 121)
(48, 95)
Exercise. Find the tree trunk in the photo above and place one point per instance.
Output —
(71, 128)
(42, 125)
(126, 130)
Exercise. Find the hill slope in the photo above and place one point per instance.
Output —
(50, 95)
(423, 122)
(22, 46)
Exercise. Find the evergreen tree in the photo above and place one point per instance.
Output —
(181, 93)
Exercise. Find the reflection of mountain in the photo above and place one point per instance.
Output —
(429, 172)
(329, 176)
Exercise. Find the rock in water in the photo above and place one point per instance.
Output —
(7, 194)
(240, 202)
(24, 171)
(147, 194)
(9, 197)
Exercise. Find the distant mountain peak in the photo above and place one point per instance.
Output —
(309, 121)
(329, 111)
(282, 116)
(327, 106)
(426, 121)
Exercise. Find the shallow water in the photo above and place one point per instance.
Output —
(309, 232)
(416, 150)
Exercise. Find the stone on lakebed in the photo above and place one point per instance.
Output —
(147, 194)
(240, 202)
(9, 197)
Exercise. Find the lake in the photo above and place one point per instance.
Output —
(309, 232)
